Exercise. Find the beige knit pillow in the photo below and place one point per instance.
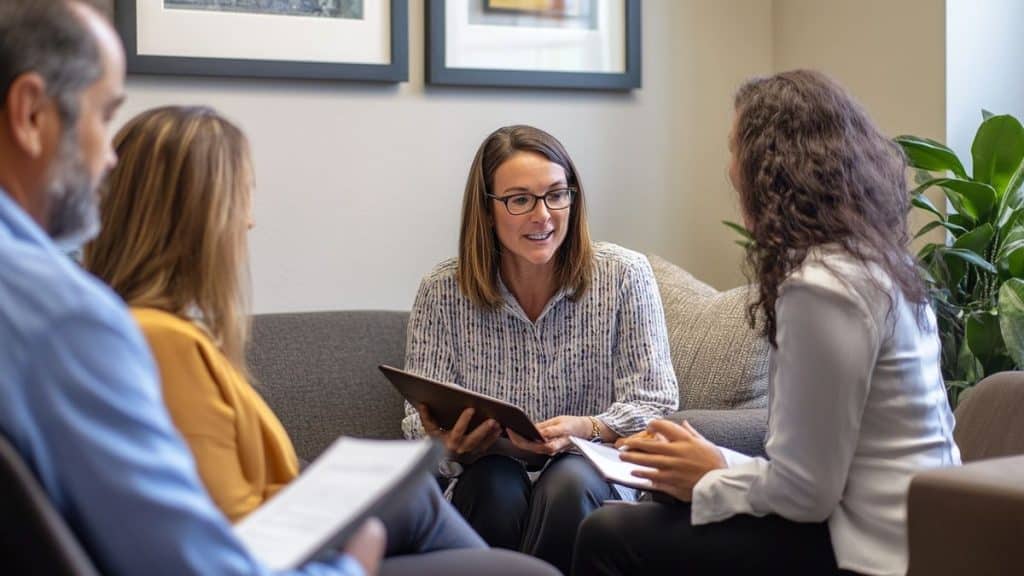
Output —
(720, 362)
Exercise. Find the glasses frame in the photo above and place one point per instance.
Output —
(536, 197)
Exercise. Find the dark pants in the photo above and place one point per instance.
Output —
(495, 495)
(427, 536)
(654, 538)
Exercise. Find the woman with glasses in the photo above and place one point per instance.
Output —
(535, 314)
(176, 214)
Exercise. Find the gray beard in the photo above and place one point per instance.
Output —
(74, 204)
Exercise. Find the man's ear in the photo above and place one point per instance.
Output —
(29, 112)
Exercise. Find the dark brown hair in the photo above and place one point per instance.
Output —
(479, 249)
(812, 169)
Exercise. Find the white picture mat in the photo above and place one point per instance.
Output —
(537, 49)
(214, 34)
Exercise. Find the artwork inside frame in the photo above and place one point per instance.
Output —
(313, 39)
(352, 9)
(548, 8)
(578, 44)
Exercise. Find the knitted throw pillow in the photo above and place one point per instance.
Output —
(720, 362)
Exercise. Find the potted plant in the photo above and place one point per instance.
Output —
(975, 277)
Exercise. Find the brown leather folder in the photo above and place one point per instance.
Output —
(447, 401)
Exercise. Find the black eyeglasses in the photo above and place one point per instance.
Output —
(518, 204)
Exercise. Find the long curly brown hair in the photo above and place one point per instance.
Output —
(811, 169)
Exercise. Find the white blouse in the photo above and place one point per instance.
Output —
(856, 407)
(604, 355)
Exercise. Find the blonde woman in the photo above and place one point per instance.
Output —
(176, 214)
(534, 313)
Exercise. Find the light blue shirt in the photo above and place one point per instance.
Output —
(80, 399)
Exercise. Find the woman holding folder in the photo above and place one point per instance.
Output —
(856, 397)
(176, 213)
(535, 314)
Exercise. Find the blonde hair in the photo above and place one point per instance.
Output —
(479, 248)
(175, 217)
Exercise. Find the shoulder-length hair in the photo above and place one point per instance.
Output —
(479, 249)
(175, 216)
(813, 169)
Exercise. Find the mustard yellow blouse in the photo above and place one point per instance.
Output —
(242, 451)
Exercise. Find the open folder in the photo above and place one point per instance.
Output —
(320, 509)
(606, 459)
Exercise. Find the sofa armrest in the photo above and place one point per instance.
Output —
(968, 519)
(742, 430)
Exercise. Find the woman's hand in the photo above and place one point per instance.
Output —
(679, 460)
(367, 545)
(457, 441)
(556, 433)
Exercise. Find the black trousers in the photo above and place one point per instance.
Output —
(496, 497)
(653, 538)
(425, 535)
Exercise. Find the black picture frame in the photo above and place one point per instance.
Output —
(439, 73)
(396, 71)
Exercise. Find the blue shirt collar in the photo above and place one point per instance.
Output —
(15, 222)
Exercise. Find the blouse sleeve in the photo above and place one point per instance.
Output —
(205, 418)
(827, 347)
(428, 349)
(645, 382)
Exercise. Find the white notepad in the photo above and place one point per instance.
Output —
(321, 507)
(606, 459)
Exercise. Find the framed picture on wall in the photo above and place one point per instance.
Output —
(315, 39)
(585, 44)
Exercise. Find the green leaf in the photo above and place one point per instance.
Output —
(974, 243)
(924, 203)
(968, 366)
(925, 253)
(1013, 197)
(927, 154)
(983, 335)
(985, 114)
(1011, 318)
(976, 240)
(971, 258)
(1012, 241)
(741, 230)
(1014, 263)
(971, 198)
(997, 151)
(961, 221)
(953, 228)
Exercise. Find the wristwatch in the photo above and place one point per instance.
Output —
(595, 429)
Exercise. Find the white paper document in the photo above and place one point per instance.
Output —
(606, 459)
(350, 476)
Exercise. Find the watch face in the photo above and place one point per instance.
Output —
(449, 468)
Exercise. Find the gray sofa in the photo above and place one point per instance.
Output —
(318, 370)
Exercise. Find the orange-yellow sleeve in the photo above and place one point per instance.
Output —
(202, 408)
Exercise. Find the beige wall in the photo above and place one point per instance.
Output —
(889, 54)
(359, 186)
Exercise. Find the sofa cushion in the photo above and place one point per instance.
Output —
(318, 372)
(720, 362)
